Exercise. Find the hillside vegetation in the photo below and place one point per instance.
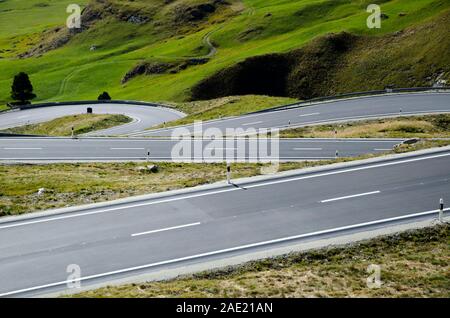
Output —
(164, 50)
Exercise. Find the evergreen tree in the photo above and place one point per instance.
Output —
(22, 90)
(104, 96)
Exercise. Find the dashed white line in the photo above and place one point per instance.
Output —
(307, 149)
(22, 148)
(127, 148)
(253, 123)
(166, 229)
(307, 115)
(350, 196)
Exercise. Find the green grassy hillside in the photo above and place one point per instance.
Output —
(126, 33)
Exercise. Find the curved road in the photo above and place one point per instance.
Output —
(172, 230)
(143, 116)
(55, 149)
(331, 111)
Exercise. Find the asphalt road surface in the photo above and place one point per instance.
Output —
(109, 149)
(172, 230)
(143, 116)
(333, 111)
(175, 229)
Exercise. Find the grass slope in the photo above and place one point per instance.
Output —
(413, 264)
(238, 31)
(340, 63)
(430, 126)
(62, 126)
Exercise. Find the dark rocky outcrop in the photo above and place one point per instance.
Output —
(297, 73)
(154, 68)
(185, 13)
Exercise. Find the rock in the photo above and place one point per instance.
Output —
(148, 169)
(411, 141)
(153, 168)
(137, 19)
(41, 191)
(147, 68)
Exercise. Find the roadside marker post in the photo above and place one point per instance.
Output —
(337, 154)
(72, 133)
(228, 173)
(441, 210)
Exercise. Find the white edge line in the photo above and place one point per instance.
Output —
(166, 229)
(227, 250)
(350, 196)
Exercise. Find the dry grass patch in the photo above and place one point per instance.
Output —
(62, 126)
(413, 264)
(430, 126)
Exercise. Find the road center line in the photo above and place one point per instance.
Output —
(350, 196)
(253, 123)
(306, 115)
(22, 148)
(166, 229)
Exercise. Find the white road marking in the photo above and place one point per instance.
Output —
(386, 164)
(262, 184)
(254, 123)
(307, 149)
(22, 148)
(350, 196)
(227, 250)
(379, 149)
(307, 115)
(127, 148)
(166, 229)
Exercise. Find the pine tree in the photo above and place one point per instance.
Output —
(22, 90)
(104, 96)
